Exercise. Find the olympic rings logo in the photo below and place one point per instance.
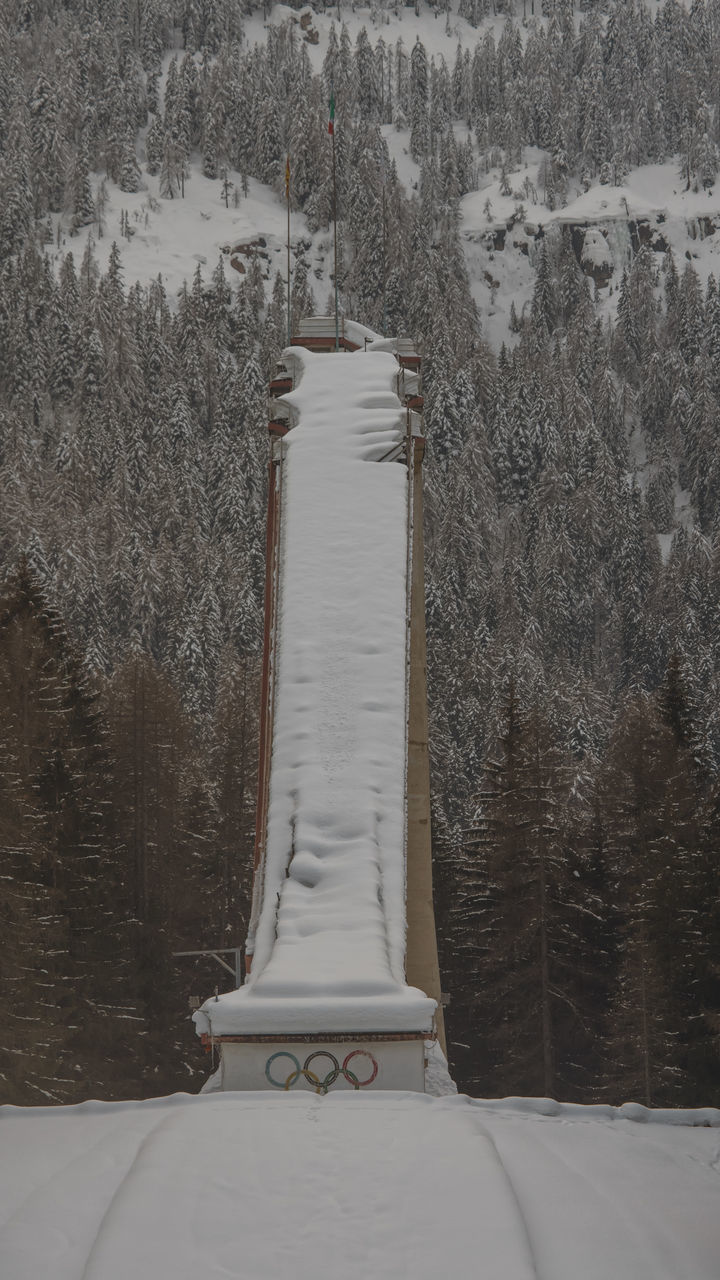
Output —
(320, 1086)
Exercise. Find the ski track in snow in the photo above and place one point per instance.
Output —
(105, 1228)
(55, 1221)
(512, 1190)
(612, 1208)
(530, 1158)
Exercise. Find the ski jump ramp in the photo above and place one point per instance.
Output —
(327, 1002)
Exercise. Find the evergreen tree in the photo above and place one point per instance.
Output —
(418, 102)
(83, 205)
(68, 860)
(650, 801)
(536, 1006)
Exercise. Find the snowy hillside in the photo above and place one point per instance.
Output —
(541, 176)
(500, 217)
(502, 234)
(385, 1186)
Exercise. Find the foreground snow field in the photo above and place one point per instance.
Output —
(393, 1185)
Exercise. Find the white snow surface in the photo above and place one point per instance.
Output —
(329, 949)
(595, 250)
(257, 1186)
(170, 238)
(653, 193)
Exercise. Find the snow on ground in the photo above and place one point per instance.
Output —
(438, 1081)
(383, 1186)
(648, 190)
(171, 237)
(680, 219)
(439, 32)
(329, 950)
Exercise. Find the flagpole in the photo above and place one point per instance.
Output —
(287, 197)
(337, 323)
(384, 252)
(331, 129)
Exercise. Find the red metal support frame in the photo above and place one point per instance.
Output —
(322, 1037)
(280, 385)
(323, 345)
(272, 540)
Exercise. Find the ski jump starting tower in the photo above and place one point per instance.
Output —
(342, 988)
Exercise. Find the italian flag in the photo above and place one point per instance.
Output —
(331, 122)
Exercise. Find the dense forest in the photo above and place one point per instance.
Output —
(573, 616)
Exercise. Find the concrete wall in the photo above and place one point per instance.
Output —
(421, 965)
(395, 1065)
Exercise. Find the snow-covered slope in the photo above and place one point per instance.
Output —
(388, 1186)
(651, 207)
(171, 237)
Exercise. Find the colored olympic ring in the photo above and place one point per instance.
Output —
(332, 1074)
(361, 1053)
(278, 1084)
(309, 1076)
(320, 1086)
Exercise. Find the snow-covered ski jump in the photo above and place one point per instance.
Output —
(343, 984)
